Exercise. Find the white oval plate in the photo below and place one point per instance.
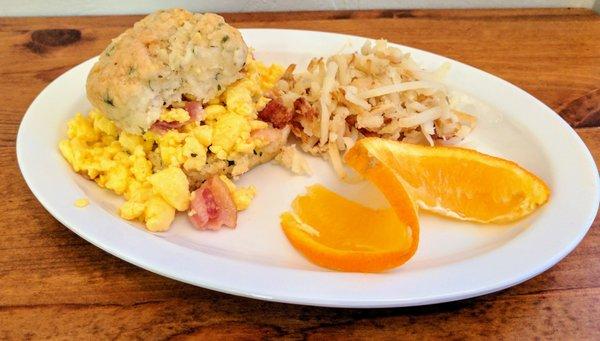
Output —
(455, 260)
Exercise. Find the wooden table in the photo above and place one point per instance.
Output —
(53, 283)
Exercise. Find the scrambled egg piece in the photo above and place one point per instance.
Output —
(173, 186)
(175, 115)
(158, 214)
(230, 134)
(235, 116)
(148, 170)
(241, 196)
(83, 202)
(119, 162)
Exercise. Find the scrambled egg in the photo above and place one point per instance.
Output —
(235, 115)
(82, 202)
(241, 196)
(174, 115)
(148, 170)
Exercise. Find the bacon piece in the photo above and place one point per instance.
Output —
(212, 206)
(164, 126)
(195, 109)
(275, 113)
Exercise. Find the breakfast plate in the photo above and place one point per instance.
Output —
(455, 260)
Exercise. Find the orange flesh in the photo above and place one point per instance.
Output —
(461, 183)
(357, 228)
(339, 234)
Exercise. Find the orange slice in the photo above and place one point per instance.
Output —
(340, 234)
(455, 182)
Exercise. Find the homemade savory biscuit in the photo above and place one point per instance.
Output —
(163, 57)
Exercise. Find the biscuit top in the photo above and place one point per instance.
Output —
(163, 57)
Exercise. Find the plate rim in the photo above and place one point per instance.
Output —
(330, 302)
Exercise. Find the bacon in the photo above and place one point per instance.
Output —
(275, 113)
(164, 126)
(195, 109)
(212, 206)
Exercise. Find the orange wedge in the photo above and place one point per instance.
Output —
(455, 182)
(339, 234)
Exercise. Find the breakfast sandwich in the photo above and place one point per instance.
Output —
(180, 109)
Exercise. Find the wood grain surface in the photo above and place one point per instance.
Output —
(54, 284)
